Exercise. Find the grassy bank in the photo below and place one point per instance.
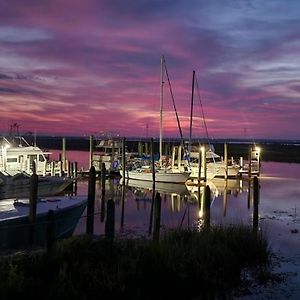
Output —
(183, 265)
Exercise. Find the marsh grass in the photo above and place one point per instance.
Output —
(184, 265)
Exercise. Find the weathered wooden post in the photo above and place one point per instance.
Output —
(203, 160)
(140, 148)
(225, 196)
(123, 204)
(146, 148)
(250, 162)
(123, 158)
(255, 203)
(110, 220)
(70, 170)
(32, 206)
(179, 157)
(153, 163)
(173, 156)
(103, 177)
(241, 163)
(91, 201)
(166, 148)
(157, 212)
(91, 149)
(249, 193)
(52, 168)
(75, 176)
(199, 167)
(50, 230)
(206, 207)
(225, 161)
(151, 212)
(64, 167)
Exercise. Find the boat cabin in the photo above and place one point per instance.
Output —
(20, 157)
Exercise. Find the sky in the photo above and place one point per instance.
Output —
(84, 67)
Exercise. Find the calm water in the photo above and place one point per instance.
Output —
(278, 207)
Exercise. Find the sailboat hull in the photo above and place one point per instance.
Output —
(160, 176)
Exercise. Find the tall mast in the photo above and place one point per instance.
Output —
(161, 107)
(191, 117)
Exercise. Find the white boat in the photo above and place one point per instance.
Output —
(162, 174)
(14, 221)
(18, 185)
(108, 150)
(215, 166)
(17, 155)
(161, 187)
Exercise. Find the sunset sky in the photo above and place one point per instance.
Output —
(80, 67)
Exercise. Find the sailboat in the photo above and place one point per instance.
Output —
(162, 173)
(215, 166)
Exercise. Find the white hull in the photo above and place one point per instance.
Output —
(14, 224)
(160, 176)
(161, 187)
(19, 185)
(215, 170)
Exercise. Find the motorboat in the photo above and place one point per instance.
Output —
(17, 155)
(18, 185)
(15, 226)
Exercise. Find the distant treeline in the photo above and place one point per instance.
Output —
(279, 151)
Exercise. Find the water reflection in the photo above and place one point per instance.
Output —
(181, 206)
(277, 210)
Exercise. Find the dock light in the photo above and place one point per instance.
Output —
(202, 149)
(200, 213)
(257, 149)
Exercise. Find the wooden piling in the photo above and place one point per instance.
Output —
(103, 178)
(157, 213)
(110, 220)
(123, 158)
(52, 168)
(75, 176)
(64, 167)
(226, 161)
(255, 203)
(153, 162)
(91, 150)
(91, 201)
(199, 168)
(206, 207)
(146, 148)
(151, 212)
(140, 148)
(250, 162)
(203, 160)
(32, 206)
(123, 204)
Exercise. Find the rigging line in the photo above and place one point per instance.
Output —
(204, 121)
(177, 117)
(172, 96)
(202, 111)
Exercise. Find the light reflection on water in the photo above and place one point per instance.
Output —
(278, 207)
